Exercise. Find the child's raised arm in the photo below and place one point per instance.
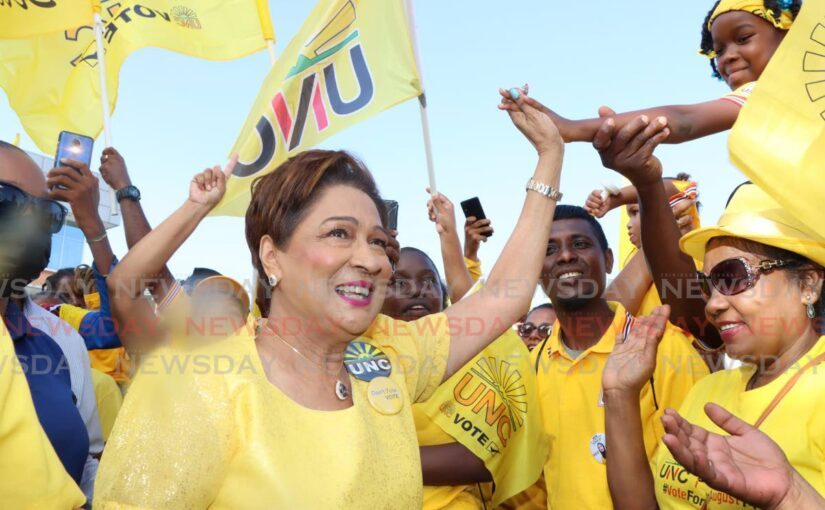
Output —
(686, 122)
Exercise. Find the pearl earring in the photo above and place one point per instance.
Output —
(273, 281)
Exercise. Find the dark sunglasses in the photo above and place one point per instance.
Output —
(734, 276)
(16, 202)
(525, 329)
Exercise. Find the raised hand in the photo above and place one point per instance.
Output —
(747, 464)
(74, 183)
(597, 205)
(629, 150)
(684, 219)
(565, 126)
(442, 212)
(393, 249)
(534, 124)
(632, 361)
(113, 169)
(208, 187)
(475, 233)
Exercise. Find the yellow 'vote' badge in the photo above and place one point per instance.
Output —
(385, 395)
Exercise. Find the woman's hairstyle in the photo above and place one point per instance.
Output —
(283, 197)
(774, 6)
(798, 264)
(84, 280)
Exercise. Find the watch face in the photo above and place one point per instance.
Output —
(130, 192)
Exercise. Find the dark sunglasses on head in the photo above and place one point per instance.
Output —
(734, 276)
(16, 202)
(525, 329)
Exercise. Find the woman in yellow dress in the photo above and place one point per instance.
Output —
(314, 410)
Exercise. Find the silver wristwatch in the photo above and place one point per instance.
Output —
(543, 189)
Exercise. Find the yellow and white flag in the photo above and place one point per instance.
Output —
(491, 407)
(350, 60)
(778, 140)
(27, 18)
(52, 80)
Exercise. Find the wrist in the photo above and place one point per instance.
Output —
(620, 396)
(197, 208)
(119, 185)
(800, 495)
(91, 229)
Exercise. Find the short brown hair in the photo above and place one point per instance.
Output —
(282, 198)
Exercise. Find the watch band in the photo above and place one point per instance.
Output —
(544, 189)
(129, 193)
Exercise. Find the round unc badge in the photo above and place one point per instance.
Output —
(365, 361)
(385, 395)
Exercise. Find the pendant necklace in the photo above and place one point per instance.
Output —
(341, 390)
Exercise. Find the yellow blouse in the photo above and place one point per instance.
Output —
(213, 432)
(797, 425)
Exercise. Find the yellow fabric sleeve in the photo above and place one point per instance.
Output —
(474, 267)
(31, 475)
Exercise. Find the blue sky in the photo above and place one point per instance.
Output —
(177, 115)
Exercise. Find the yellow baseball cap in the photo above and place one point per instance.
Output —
(754, 215)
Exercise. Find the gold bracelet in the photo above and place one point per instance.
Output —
(99, 238)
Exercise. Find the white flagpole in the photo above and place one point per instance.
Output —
(422, 99)
(270, 45)
(104, 99)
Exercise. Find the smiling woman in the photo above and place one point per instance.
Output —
(326, 381)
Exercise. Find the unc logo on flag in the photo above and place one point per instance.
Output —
(314, 85)
(814, 62)
(493, 391)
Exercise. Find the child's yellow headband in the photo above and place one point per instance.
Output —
(756, 8)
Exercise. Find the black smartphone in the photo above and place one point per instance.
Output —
(392, 214)
(74, 146)
(472, 207)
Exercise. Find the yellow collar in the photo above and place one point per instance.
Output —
(621, 323)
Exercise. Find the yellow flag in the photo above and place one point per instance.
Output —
(350, 60)
(491, 407)
(27, 18)
(778, 140)
(52, 80)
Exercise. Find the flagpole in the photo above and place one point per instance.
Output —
(270, 45)
(104, 99)
(422, 99)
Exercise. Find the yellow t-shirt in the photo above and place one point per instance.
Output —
(109, 400)
(570, 393)
(31, 474)
(797, 425)
(216, 433)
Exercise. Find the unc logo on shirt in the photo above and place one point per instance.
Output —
(365, 362)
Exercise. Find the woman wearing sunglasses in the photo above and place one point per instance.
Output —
(537, 325)
(762, 292)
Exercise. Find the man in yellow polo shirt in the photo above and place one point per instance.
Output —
(569, 364)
